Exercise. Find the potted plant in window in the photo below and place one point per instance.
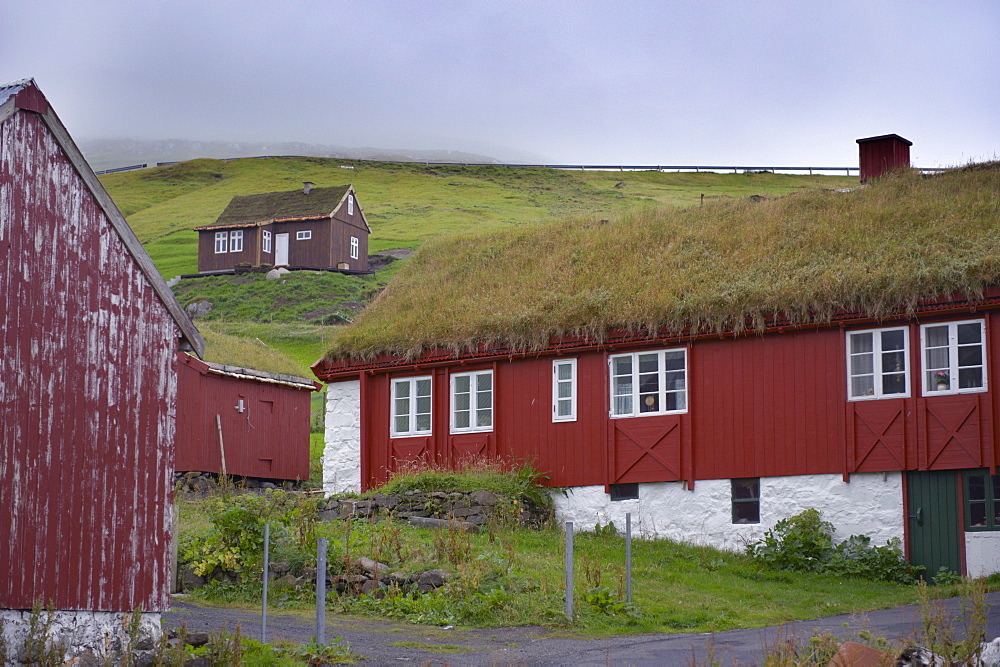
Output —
(942, 380)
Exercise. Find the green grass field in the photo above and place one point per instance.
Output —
(282, 326)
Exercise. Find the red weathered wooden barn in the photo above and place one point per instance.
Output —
(711, 415)
(311, 228)
(88, 397)
(241, 421)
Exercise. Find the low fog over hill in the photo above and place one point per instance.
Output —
(111, 153)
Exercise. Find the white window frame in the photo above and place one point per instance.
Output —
(636, 385)
(928, 372)
(350, 204)
(411, 413)
(221, 242)
(355, 246)
(569, 384)
(303, 235)
(267, 242)
(475, 412)
(878, 370)
(236, 241)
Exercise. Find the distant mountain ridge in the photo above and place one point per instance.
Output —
(112, 153)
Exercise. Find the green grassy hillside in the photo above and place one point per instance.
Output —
(408, 204)
(405, 206)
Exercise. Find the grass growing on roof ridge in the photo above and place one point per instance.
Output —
(877, 250)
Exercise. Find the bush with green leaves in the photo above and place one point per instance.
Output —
(804, 542)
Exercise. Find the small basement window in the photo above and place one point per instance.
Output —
(746, 500)
(303, 236)
(625, 491)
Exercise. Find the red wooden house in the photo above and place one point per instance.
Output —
(311, 228)
(241, 421)
(878, 155)
(723, 370)
(90, 337)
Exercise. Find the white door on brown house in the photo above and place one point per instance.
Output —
(281, 249)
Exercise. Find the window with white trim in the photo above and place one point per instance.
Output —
(236, 241)
(267, 241)
(648, 383)
(221, 242)
(350, 204)
(564, 390)
(355, 245)
(472, 402)
(954, 357)
(303, 235)
(876, 363)
(411, 406)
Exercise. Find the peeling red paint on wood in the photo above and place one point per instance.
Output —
(88, 393)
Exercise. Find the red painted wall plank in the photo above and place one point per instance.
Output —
(88, 393)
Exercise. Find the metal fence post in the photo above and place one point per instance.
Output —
(628, 557)
(263, 607)
(321, 590)
(569, 570)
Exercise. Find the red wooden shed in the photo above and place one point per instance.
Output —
(877, 155)
(90, 336)
(241, 421)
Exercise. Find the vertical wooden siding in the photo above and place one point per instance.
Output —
(87, 394)
(758, 406)
(269, 439)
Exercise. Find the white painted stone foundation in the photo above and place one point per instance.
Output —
(867, 505)
(982, 553)
(99, 634)
(342, 450)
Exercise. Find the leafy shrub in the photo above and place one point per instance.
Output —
(804, 542)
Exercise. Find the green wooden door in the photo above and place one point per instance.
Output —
(935, 515)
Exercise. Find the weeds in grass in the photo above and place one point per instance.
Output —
(956, 639)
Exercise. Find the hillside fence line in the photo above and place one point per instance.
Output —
(736, 169)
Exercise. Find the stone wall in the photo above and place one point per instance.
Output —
(870, 504)
(87, 637)
(437, 508)
(342, 452)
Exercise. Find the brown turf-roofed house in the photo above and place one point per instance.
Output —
(309, 228)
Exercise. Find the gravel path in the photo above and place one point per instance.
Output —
(384, 642)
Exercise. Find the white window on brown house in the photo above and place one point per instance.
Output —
(221, 242)
(236, 241)
(355, 245)
(350, 204)
(267, 241)
(303, 236)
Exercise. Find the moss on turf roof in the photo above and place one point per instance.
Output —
(248, 209)
(876, 250)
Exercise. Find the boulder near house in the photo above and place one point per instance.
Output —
(311, 228)
(91, 336)
(710, 371)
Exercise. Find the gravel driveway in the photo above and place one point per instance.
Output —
(384, 642)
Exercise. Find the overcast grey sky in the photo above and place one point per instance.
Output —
(676, 82)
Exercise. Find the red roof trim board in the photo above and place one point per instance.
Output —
(210, 368)
(340, 369)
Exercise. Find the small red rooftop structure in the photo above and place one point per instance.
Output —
(878, 155)
(310, 228)
(242, 422)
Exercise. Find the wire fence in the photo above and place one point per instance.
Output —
(735, 169)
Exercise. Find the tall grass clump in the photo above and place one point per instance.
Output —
(727, 266)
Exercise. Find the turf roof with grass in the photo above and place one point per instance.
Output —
(877, 251)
